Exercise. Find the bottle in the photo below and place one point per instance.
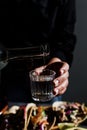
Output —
(30, 52)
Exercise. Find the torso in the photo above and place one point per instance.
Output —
(32, 20)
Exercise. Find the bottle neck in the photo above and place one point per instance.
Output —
(28, 52)
(32, 52)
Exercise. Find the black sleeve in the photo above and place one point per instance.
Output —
(65, 39)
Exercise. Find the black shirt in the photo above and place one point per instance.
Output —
(39, 21)
(25, 22)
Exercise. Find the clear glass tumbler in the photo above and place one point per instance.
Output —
(42, 85)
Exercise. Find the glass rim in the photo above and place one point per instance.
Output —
(46, 75)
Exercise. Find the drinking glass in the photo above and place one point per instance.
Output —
(42, 85)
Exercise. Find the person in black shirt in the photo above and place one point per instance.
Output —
(27, 23)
